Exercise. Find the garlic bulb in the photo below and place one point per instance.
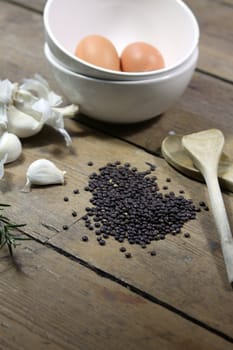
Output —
(25, 108)
(10, 146)
(48, 105)
(43, 172)
(22, 124)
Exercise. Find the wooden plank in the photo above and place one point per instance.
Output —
(188, 269)
(37, 5)
(216, 28)
(50, 302)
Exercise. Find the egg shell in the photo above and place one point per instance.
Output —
(98, 51)
(141, 57)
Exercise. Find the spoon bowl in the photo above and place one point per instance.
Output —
(176, 155)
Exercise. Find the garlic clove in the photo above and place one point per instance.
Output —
(36, 85)
(6, 91)
(3, 116)
(11, 146)
(41, 87)
(43, 172)
(2, 162)
(53, 117)
(22, 124)
(67, 111)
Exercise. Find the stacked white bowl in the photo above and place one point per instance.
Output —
(115, 96)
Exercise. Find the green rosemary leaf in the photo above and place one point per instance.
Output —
(15, 225)
(6, 236)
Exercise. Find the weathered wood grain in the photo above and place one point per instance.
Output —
(191, 270)
(37, 5)
(216, 36)
(22, 38)
(51, 302)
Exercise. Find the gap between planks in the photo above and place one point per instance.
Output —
(132, 288)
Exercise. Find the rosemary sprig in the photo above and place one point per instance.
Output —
(6, 235)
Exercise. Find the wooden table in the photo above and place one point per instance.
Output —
(62, 293)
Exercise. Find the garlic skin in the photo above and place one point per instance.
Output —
(6, 92)
(43, 172)
(26, 107)
(10, 147)
(2, 162)
(22, 124)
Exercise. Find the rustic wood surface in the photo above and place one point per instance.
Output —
(52, 302)
(62, 293)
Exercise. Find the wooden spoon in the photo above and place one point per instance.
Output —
(175, 154)
(205, 149)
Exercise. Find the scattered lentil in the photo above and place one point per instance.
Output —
(128, 255)
(85, 238)
(74, 213)
(187, 235)
(102, 242)
(90, 163)
(122, 249)
(66, 199)
(65, 227)
(153, 253)
(128, 206)
(76, 191)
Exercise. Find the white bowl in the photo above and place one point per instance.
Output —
(122, 101)
(169, 25)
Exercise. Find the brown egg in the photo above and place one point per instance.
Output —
(141, 57)
(99, 51)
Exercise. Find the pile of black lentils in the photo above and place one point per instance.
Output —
(128, 205)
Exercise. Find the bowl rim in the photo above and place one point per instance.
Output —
(130, 75)
(53, 60)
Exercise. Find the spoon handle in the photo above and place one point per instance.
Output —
(221, 220)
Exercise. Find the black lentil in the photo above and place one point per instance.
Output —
(187, 235)
(85, 238)
(102, 242)
(202, 204)
(90, 163)
(66, 199)
(128, 255)
(127, 205)
(65, 227)
(76, 191)
(74, 213)
(122, 249)
(153, 253)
